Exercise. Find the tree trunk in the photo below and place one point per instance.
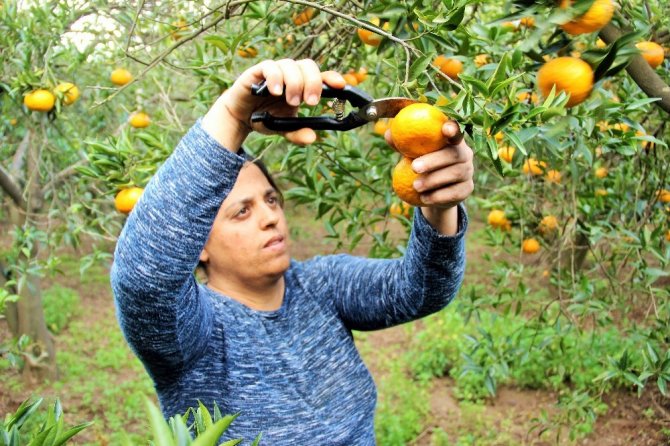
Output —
(26, 317)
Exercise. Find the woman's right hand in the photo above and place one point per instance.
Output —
(229, 119)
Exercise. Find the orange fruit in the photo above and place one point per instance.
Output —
(497, 219)
(303, 16)
(548, 224)
(403, 182)
(400, 209)
(247, 52)
(382, 125)
(527, 22)
(371, 38)
(599, 14)
(125, 200)
(481, 60)
(179, 29)
(533, 167)
(621, 127)
(506, 153)
(600, 43)
(417, 130)
(530, 246)
(667, 236)
(600, 192)
(13, 121)
(569, 74)
(451, 67)
(601, 172)
(553, 176)
(40, 100)
(120, 76)
(69, 91)
(652, 53)
(361, 74)
(664, 196)
(350, 79)
(526, 96)
(139, 120)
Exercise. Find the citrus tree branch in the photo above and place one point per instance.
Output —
(173, 47)
(640, 71)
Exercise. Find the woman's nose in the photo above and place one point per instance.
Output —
(270, 215)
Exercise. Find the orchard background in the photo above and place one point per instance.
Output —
(560, 332)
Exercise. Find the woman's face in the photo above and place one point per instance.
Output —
(248, 242)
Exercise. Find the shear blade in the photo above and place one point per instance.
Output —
(385, 108)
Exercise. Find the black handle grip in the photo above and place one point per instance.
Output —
(351, 121)
(356, 97)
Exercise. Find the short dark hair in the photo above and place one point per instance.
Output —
(266, 173)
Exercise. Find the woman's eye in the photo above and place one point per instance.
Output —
(272, 200)
(242, 211)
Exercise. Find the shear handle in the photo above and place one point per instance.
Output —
(356, 97)
(277, 123)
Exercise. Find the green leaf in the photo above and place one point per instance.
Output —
(455, 19)
(218, 42)
(662, 386)
(65, 436)
(211, 435)
(512, 136)
(479, 85)
(161, 432)
(419, 66)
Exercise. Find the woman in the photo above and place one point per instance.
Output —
(267, 336)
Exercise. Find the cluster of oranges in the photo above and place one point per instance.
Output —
(415, 131)
(121, 77)
(573, 75)
(43, 100)
(354, 78)
(547, 227)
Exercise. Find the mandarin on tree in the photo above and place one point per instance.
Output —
(450, 67)
(247, 52)
(120, 76)
(553, 176)
(663, 196)
(568, 74)
(139, 120)
(601, 172)
(530, 246)
(497, 219)
(598, 15)
(533, 167)
(417, 130)
(652, 52)
(126, 198)
(369, 37)
(398, 209)
(481, 60)
(506, 153)
(40, 100)
(69, 91)
(548, 224)
(350, 79)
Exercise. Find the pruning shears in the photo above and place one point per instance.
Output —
(367, 110)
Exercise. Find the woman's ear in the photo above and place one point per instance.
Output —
(204, 256)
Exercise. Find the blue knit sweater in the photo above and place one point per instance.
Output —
(293, 374)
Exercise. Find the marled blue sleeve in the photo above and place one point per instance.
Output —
(371, 294)
(160, 311)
